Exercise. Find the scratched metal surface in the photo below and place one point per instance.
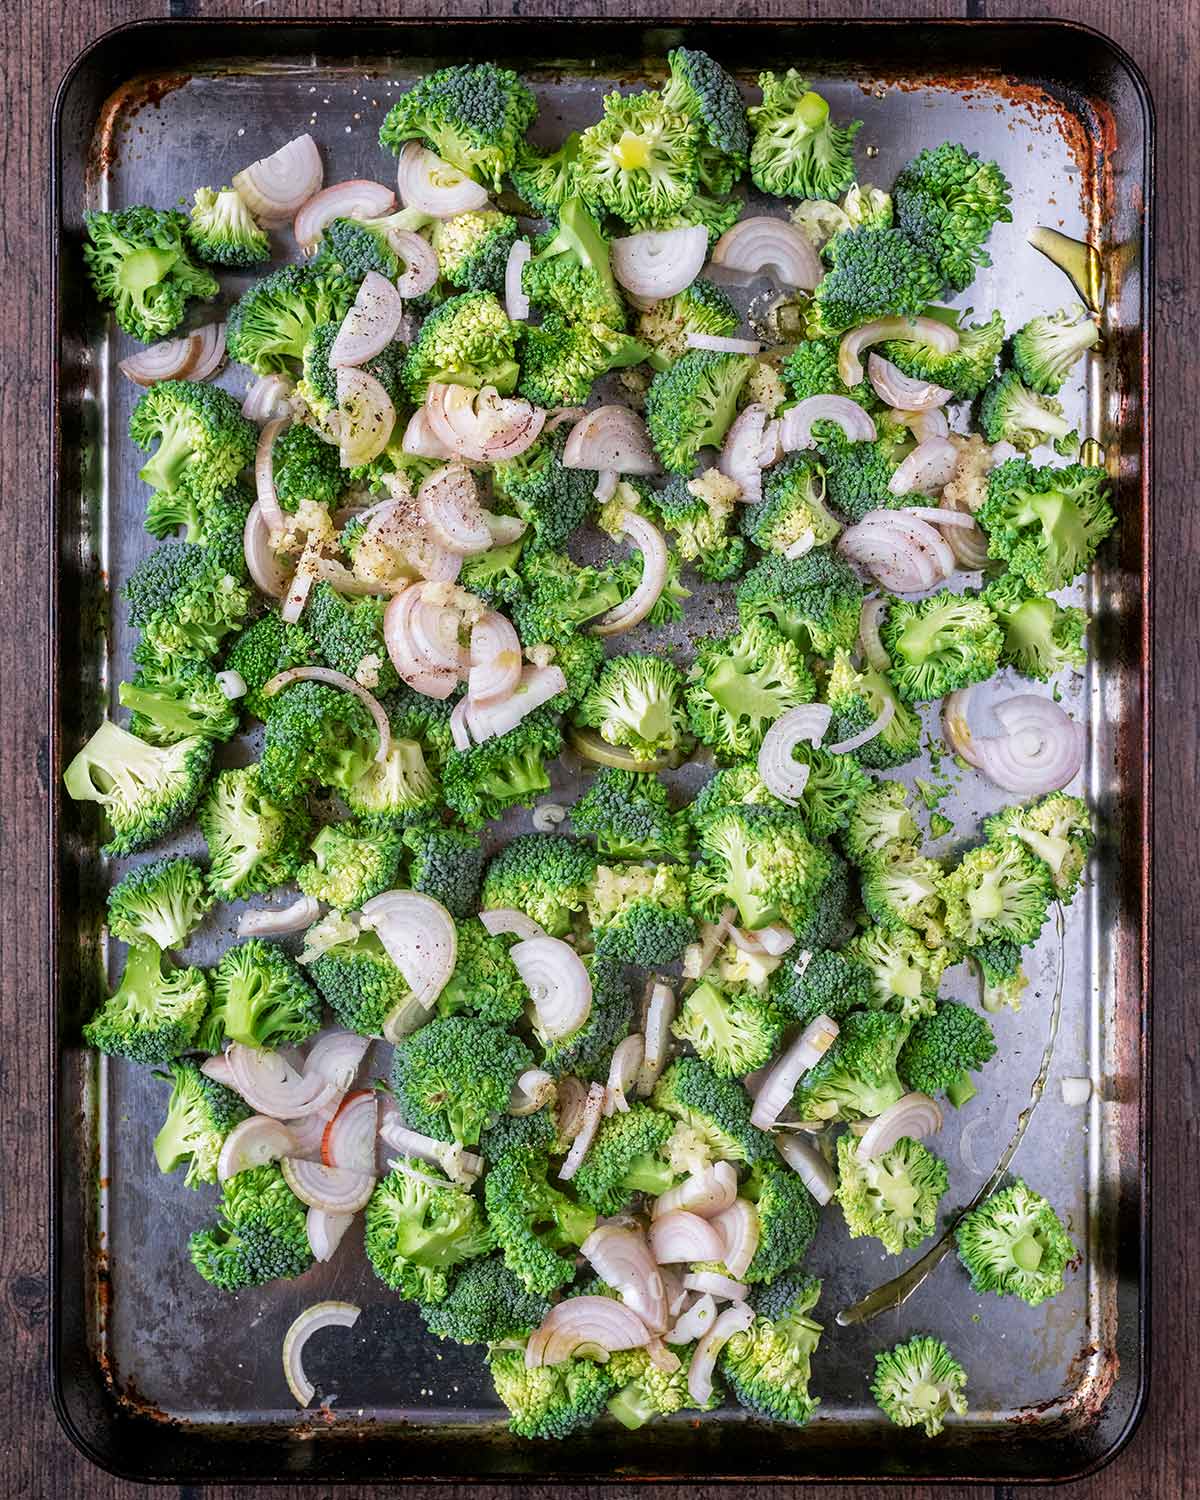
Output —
(173, 1345)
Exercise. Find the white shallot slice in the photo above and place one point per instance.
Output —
(420, 262)
(695, 1322)
(782, 773)
(658, 263)
(217, 1068)
(656, 1036)
(420, 440)
(589, 1123)
(622, 1073)
(734, 1319)
(956, 726)
(495, 659)
(594, 1326)
(311, 1320)
(432, 186)
(780, 1084)
(501, 919)
(621, 1258)
(271, 1086)
(707, 1193)
(459, 1165)
(516, 303)
(632, 611)
(558, 983)
(335, 1189)
(421, 636)
(713, 1284)
(738, 1227)
(939, 336)
(482, 426)
(451, 510)
(193, 356)
(760, 243)
(336, 1055)
(276, 186)
(1040, 751)
(546, 816)
(370, 324)
(751, 445)
(924, 425)
(533, 1089)
(537, 685)
(357, 198)
(611, 437)
(268, 399)
(325, 1232)
(718, 344)
(809, 1165)
(903, 553)
(253, 1143)
(420, 937)
(350, 1137)
(869, 640)
(212, 351)
(348, 685)
(308, 1133)
(955, 520)
(796, 423)
(295, 918)
(366, 416)
(680, 1237)
(930, 466)
(569, 1106)
(264, 481)
(774, 939)
(915, 1115)
(904, 392)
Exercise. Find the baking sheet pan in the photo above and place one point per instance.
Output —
(157, 1375)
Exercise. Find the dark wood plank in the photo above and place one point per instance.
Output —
(1163, 1460)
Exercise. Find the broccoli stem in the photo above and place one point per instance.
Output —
(961, 1090)
(1027, 1253)
(162, 471)
(631, 1408)
(646, 1175)
(145, 268)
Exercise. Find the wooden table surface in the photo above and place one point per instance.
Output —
(1162, 1462)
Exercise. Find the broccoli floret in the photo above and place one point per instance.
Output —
(1058, 830)
(139, 266)
(262, 651)
(737, 687)
(161, 902)
(454, 1073)
(486, 1303)
(146, 791)
(447, 864)
(395, 791)
(505, 771)
(351, 863)
(918, 1382)
(418, 1229)
(261, 998)
(947, 202)
(260, 1236)
(557, 597)
(699, 308)
(741, 785)
(413, 716)
(857, 1078)
(792, 508)
(485, 981)
(545, 180)
(857, 474)
(545, 875)
(203, 444)
(318, 388)
(624, 1159)
(714, 215)
(550, 1402)
(831, 793)
(716, 1108)
(815, 600)
(788, 1217)
(305, 467)
(701, 89)
(640, 159)
(1041, 636)
(691, 404)
(834, 906)
(473, 115)
(967, 370)
(359, 980)
(200, 1114)
(637, 702)
(939, 644)
(561, 361)
(798, 152)
(154, 1013)
(943, 1050)
(645, 1391)
(270, 324)
(356, 247)
(770, 1364)
(588, 1051)
(639, 913)
(538, 1131)
(176, 700)
(699, 513)
(255, 842)
(349, 636)
(1046, 523)
(218, 520)
(761, 860)
(473, 248)
(1046, 349)
(184, 600)
(1011, 413)
(1000, 890)
(904, 888)
(821, 983)
(881, 819)
(570, 271)
(316, 736)
(905, 972)
(629, 816)
(468, 340)
(893, 1197)
(553, 500)
(537, 1227)
(223, 231)
(1015, 1244)
(877, 273)
(857, 697)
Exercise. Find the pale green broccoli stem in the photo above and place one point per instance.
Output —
(1027, 1251)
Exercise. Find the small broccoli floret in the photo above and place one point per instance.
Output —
(770, 1364)
(447, 864)
(1046, 349)
(358, 979)
(857, 697)
(316, 736)
(154, 1013)
(270, 324)
(737, 687)
(454, 1073)
(947, 202)
(413, 716)
(691, 404)
(553, 500)
(821, 983)
(561, 361)
(542, 874)
(146, 791)
(356, 247)
(200, 1114)
(570, 272)
(629, 816)
(624, 1159)
(218, 520)
(904, 971)
(857, 474)
(468, 340)
(485, 981)
(537, 1227)
(877, 273)
(833, 908)
(636, 701)
(508, 770)
(716, 1108)
(640, 159)
(967, 370)
(811, 369)
(740, 785)
(417, 1230)
(699, 513)
(701, 89)
(203, 443)
(473, 115)
(318, 389)
(550, 1402)
(943, 1050)
(184, 600)
(857, 1078)
(1041, 636)
(545, 180)
(473, 248)
(395, 791)
(761, 860)
(486, 1303)
(305, 467)
(787, 1220)
(350, 864)
(792, 508)
(538, 1131)
(1058, 829)
(798, 152)
(588, 1051)
(639, 913)
(1002, 978)
(699, 308)
(918, 1382)
(559, 596)
(893, 1197)
(262, 651)
(881, 819)
(831, 793)
(161, 902)
(940, 643)
(1011, 413)
(1014, 1244)
(255, 843)
(1000, 890)
(139, 266)
(261, 998)
(815, 600)
(349, 636)
(903, 888)
(176, 700)
(1046, 523)
(645, 1392)
(260, 1235)
(223, 231)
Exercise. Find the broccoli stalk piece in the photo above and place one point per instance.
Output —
(203, 440)
(624, 1159)
(261, 998)
(173, 701)
(542, 874)
(716, 1109)
(639, 913)
(185, 601)
(691, 405)
(1014, 1244)
(761, 860)
(355, 974)
(269, 325)
(965, 372)
(1057, 828)
(505, 771)
(1046, 349)
(940, 643)
(821, 983)
(797, 151)
(770, 1364)
(161, 902)
(154, 1013)
(146, 791)
(893, 1197)
(485, 981)
(454, 1073)
(1041, 636)
(255, 843)
(815, 600)
(223, 231)
(640, 160)
(857, 1078)
(905, 972)
(550, 1402)
(700, 308)
(350, 864)
(1046, 523)
(486, 1304)
(737, 687)
(417, 1230)
(138, 263)
(948, 202)
(260, 1236)
(200, 1114)
(537, 1228)
(636, 702)
(629, 816)
(1011, 413)
(857, 698)
(999, 890)
(876, 273)
(943, 1049)
(918, 1382)
(473, 116)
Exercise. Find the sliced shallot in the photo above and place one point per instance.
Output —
(194, 356)
(495, 659)
(718, 344)
(596, 1326)
(459, 1165)
(311, 1320)
(589, 1123)
(622, 1260)
(451, 510)
(349, 1139)
(570, 1103)
(873, 730)
(276, 186)
(804, 1053)
(271, 1086)
(695, 1322)
(760, 243)
(370, 324)
(264, 481)
(930, 466)
(915, 1115)
(924, 425)
(655, 563)
(420, 262)
(869, 639)
(295, 918)
(1040, 751)
(503, 919)
(713, 1284)
(656, 1036)
(217, 1068)
(611, 437)
(681, 1237)
(796, 424)
(622, 1073)
(421, 636)
(420, 937)
(558, 983)
(738, 1227)
(253, 1143)
(537, 685)
(325, 1232)
(357, 198)
(516, 303)
(533, 1089)
(264, 567)
(336, 1056)
(809, 1165)
(735, 1319)
(335, 1189)
(930, 331)
(347, 685)
(366, 417)
(268, 399)
(903, 553)
(658, 263)
(896, 389)
(420, 440)
(432, 186)
(707, 1193)
(782, 773)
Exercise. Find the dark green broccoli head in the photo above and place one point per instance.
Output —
(857, 1078)
(967, 370)
(316, 736)
(717, 1109)
(561, 360)
(545, 180)
(161, 902)
(359, 981)
(769, 1366)
(1046, 524)
(629, 816)
(154, 1013)
(349, 636)
(319, 389)
(552, 499)
(261, 998)
(139, 266)
(453, 1074)
(200, 1114)
(787, 1220)
(485, 981)
(185, 601)
(877, 273)
(623, 1159)
(351, 863)
(263, 650)
(857, 698)
(260, 1236)
(692, 404)
(947, 202)
(486, 1303)
(815, 600)
(537, 1227)
(731, 1028)
(508, 770)
(447, 864)
(792, 513)
(467, 340)
(570, 273)
(811, 369)
(268, 327)
(639, 913)
(588, 1051)
(419, 1227)
(940, 643)
(820, 983)
(701, 89)
(761, 860)
(305, 467)
(702, 307)
(556, 597)
(699, 513)
(545, 875)
(473, 116)
(549, 1402)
